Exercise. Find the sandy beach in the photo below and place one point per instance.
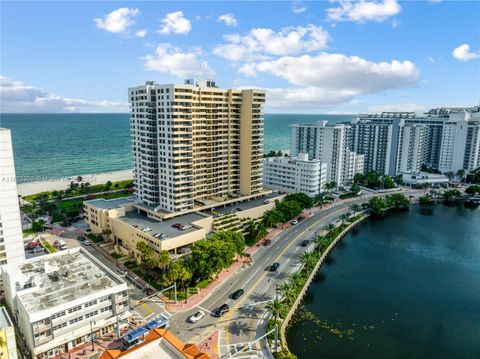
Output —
(63, 183)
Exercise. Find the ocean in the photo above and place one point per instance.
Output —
(59, 145)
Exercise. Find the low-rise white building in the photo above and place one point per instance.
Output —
(298, 174)
(418, 179)
(60, 300)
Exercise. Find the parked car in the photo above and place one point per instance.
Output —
(148, 291)
(237, 294)
(62, 245)
(239, 209)
(32, 245)
(177, 225)
(305, 242)
(300, 219)
(81, 238)
(274, 267)
(294, 222)
(87, 242)
(38, 249)
(267, 242)
(196, 317)
(220, 311)
(266, 201)
(184, 228)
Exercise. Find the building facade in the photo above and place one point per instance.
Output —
(297, 174)
(7, 334)
(396, 142)
(61, 300)
(11, 236)
(195, 142)
(330, 144)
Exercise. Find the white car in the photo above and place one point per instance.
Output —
(196, 317)
(294, 222)
(87, 242)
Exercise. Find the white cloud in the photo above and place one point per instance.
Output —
(170, 59)
(228, 19)
(18, 97)
(338, 71)
(260, 43)
(400, 107)
(175, 23)
(363, 11)
(464, 54)
(141, 33)
(298, 7)
(117, 21)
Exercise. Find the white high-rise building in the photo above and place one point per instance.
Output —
(397, 142)
(331, 145)
(195, 143)
(11, 236)
(298, 174)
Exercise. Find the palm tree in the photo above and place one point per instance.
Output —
(320, 199)
(450, 175)
(344, 217)
(270, 219)
(276, 307)
(308, 259)
(106, 233)
(355, 208)
(460, 174)
(330, 185)
(288, 291)
(295, 279)
(330, 227)
(319, 242)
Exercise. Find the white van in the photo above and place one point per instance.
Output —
(62, 245)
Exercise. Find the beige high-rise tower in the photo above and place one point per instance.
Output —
(195, 143)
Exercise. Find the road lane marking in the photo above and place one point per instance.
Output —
(295, 238)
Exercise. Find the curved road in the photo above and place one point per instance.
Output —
(241, 326)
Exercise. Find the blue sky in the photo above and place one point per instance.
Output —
(311, 57)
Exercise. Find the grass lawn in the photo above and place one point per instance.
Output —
(49, 247)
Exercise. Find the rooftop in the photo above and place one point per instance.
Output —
(111, 203)
(142, 221)
(60, 278)
(246, 204)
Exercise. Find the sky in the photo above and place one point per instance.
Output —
(310, 56)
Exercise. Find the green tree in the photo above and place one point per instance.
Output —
(295, 278)
(329, 186)
(108, 185)
(319, 199)
(450, 175)
(460, 174)
(471, 190)
(276, 307)
(397, 200)
(425, 200)
(388, 182)
(288, 292)
(355, 188)
(308, 259)
(270, 219)
(304, 200)
(330, 227)
(377, 205)
(144, 251)
(355, 208)
(344, 217)
(106, 234)
(451, 195)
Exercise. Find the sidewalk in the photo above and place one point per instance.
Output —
(204, 293)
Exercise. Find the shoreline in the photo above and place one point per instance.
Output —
(62, 183)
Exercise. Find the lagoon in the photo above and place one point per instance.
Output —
(407, 286)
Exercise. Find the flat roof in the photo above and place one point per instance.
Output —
(141, 221)
(247, 204)
(61, 278)
(111, 203)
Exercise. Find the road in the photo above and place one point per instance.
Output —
(241, 326)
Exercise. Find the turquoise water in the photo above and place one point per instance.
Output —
(57, 145)
(407, 286)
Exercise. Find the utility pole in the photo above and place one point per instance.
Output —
(91, 335)
(276, 323)
(175, 291)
